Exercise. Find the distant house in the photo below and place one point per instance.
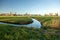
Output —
(3, 14)
(7, 14)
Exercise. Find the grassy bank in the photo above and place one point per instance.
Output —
(49, 21)
(24, 33)
(16, 20)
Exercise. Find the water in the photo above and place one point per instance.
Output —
(35, 24)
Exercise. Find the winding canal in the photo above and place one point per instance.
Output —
(35, 24)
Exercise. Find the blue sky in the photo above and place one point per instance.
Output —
(30, 6)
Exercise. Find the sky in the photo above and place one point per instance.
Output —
(30, 6)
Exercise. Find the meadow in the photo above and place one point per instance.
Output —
(16, 20)
(50, 29)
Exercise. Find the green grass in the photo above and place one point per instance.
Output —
(16, 20)
(26, 33)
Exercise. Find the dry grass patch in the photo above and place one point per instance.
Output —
(55, 23)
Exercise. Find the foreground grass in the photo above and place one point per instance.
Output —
(26, 33)
(16, 20)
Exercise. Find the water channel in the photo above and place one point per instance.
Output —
(35, 24)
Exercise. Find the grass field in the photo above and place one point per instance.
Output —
(8, 32)
(24, 33)
(16, 20)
